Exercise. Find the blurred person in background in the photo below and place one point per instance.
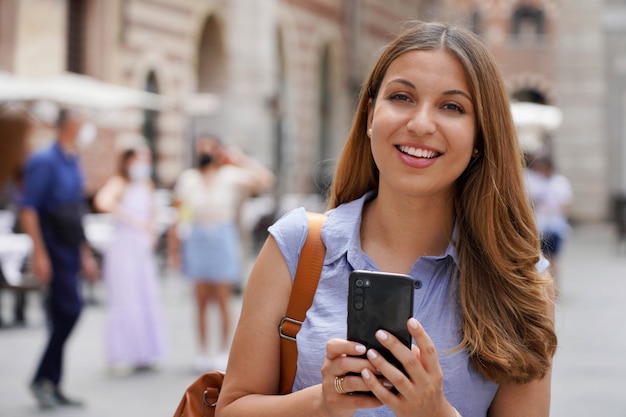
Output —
(134, 327)
(51, 211)
(552, 197)
(208, 198)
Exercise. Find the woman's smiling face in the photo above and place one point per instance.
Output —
(423, 123)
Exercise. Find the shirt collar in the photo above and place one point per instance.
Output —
(66, 155)
(343, 229)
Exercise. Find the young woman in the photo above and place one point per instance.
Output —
(429, 184)
(208, 199)
(135, 327)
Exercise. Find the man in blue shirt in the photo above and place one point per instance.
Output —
(51, 211)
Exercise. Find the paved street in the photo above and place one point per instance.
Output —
(590, 365)
(589, 374)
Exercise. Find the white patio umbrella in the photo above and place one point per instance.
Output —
(533, 121)
(78, 90)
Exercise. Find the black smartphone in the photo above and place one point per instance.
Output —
(379, 300)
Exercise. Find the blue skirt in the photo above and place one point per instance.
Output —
(212, 253)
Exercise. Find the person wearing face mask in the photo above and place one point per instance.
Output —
(135, 332)
(208, 198)
(51, 211)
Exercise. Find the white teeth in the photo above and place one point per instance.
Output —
(417, 152)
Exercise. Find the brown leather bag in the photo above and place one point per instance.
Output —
(200, 397)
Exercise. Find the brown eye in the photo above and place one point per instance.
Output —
(454, 107)
(399, 96)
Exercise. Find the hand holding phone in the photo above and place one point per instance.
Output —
(379, 300)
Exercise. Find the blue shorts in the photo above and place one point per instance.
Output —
(212, 254)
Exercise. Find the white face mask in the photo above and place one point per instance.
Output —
(87, 134)
(139, 171)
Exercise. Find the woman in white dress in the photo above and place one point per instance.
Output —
(135, 328)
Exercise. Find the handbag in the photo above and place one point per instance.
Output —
(200, 398)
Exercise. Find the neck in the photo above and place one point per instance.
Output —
(67, 144)
(208, 169)
(398, 230)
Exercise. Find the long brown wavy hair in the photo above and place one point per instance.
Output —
(506, 325)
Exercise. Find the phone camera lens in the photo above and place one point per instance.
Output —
(358, 303)
(359, 282)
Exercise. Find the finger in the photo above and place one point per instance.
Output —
(427, 350)
(398, 349)
(353, 383)
(343, 358)
(336, 348)
(393, 375)
(380, 387)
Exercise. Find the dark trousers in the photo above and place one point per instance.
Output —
(63, 306)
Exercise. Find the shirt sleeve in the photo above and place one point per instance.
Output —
(563, 190)
(183, 184)
(290, 232)
(37, 181)
(542, 265)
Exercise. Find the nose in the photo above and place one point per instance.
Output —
(422, 121)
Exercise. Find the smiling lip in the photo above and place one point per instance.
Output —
(417, 157)
(417, 152)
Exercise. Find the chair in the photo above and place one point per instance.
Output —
(13, 275)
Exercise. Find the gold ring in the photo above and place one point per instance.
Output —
(339, 385)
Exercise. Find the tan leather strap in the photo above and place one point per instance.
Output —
(304, 286)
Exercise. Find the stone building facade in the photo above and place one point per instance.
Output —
(286, 74)
(614, 24)
(284, 71)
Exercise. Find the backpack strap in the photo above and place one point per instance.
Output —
(304, 286)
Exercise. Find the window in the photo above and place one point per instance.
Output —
(528, 22)
(529, 95)
(477, 22)
(76, 18)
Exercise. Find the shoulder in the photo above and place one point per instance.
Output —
(189, 174)
(561, 181)
(41, 157)
(116, 179)
(290, 232)
(39, 166)
(292, 227)
(116, 182)
(234, 173)
(188, 178)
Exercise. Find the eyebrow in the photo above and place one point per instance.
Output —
(445, 93)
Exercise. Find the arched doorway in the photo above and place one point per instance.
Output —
(212, 76)
(531, 95)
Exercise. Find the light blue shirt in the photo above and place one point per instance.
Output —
(435, 305)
